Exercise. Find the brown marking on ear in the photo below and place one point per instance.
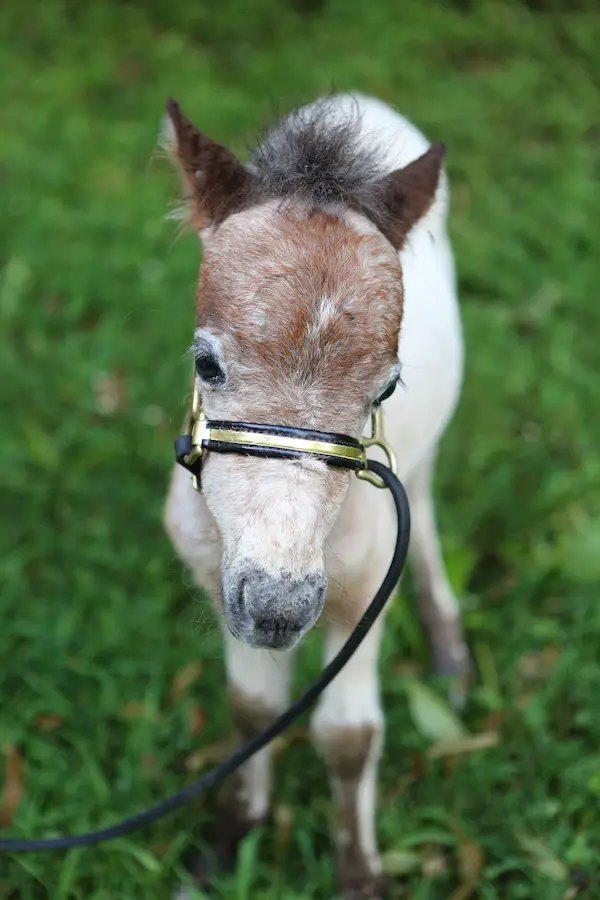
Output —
(216, 184)
(409, 192)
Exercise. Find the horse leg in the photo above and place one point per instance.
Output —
(438, 607)
(347, 728)
(258, 691)
(258, 684)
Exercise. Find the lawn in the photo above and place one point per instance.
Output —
(111, 681)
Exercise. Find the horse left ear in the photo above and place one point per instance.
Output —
(409, 192)
(215, 183)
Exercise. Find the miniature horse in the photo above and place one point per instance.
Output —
(327, 280)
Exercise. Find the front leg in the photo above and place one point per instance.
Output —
(347, 729)
(258, 681)
(259, 691)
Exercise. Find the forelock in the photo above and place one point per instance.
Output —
(318, 156)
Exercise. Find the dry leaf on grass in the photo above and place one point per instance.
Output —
(283, 741)
(434, 865)
(161, 847)
(470, 862)
(196, 719)
(524, 700)
(138, 709)
(110, 392)
(154, 416)
(470, 869)
(210, 754)
(535, 666)
(182, 681)
(467, 744)
(48, 722)
(408, 669)
(399, 789)
(431, 714)
(13, 785)
(284, 822)
(417, 765)
(400, 862)
(495, 720)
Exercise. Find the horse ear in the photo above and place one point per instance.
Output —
(409, 192)
(215, 183)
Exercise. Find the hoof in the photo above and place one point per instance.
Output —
(366, 887)
(455, 666)
(203, 866)
(187, 894)
(218, 856)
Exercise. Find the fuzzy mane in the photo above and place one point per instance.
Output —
(317, 155)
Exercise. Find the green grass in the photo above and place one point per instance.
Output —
(96, 616)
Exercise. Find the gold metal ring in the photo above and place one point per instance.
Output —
(377, 439)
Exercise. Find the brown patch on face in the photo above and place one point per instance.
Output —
(309, 308)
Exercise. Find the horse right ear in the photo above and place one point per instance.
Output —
(409, 192)
(215, 183)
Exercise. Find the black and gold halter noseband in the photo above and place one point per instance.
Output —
(277, 442)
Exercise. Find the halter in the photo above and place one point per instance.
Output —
(278, 442)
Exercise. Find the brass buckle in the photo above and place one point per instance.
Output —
(195, 425)
(377, 439)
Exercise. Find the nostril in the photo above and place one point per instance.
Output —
(269, 627)
(278, 628)
(240, 595)
(318, 584)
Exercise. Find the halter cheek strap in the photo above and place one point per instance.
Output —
(277, 442)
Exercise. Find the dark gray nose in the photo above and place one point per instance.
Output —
(272, 611)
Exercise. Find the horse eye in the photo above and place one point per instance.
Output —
(209, 370)
(387, 393)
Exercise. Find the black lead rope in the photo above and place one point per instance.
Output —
(301, 705)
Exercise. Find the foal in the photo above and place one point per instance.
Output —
(326, 267)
